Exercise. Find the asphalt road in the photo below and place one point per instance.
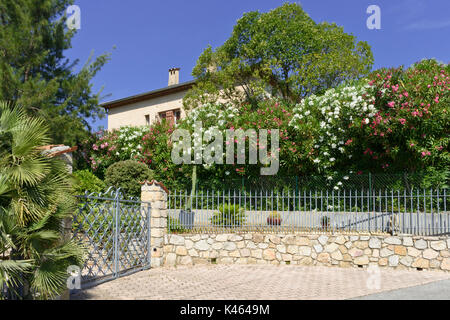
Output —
(438, 290)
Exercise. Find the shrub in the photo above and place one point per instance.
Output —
(229, 215)
(85, 180)
(127, 175)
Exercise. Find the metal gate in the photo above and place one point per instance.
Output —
(115, 233)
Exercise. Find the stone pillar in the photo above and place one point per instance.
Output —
(156, 194)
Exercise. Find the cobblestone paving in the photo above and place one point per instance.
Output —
(253, 282)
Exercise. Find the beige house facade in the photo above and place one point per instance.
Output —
(150, 107)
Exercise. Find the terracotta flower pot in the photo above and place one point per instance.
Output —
(273, 221)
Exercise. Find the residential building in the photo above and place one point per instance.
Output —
(148, 107)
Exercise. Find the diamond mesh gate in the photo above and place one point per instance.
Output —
(115, 233)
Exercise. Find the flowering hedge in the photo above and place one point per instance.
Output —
(396, 120)
(411, 130)
(107, 148)
(326, 125)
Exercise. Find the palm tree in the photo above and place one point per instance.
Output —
(35, 196)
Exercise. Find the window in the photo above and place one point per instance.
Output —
(177, 115)
(147, 120)
(172, 115)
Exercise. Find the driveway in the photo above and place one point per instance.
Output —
(258, 282)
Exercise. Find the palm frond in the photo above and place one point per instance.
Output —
(35, 195)
(29, 171)
(11, 271)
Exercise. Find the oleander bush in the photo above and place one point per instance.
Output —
(392, 122)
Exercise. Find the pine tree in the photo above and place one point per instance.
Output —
(35, 73)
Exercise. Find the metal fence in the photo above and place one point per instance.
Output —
(115, 233)
(418, 212)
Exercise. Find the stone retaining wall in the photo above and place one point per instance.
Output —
(399, 252)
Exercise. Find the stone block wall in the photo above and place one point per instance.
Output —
(399, 252)
(341, 250)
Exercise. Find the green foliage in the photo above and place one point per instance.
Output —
(35, 73)
(283, 53)
(395, 121)
(151, 146)
(35, 196)
(229, 215)
(436, 178)
(275, 215)
(85, 180)
(127, 175)
(329, 141)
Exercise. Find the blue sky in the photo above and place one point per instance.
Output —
(152, 36)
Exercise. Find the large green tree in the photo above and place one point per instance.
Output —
(282, 52)
(35, 73)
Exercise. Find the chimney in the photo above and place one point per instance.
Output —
(174, 76)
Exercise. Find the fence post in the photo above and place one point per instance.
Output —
(156, 194)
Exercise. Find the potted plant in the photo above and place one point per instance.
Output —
(274, 219)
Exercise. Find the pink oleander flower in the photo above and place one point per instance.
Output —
(391, 104)
(402, 121)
